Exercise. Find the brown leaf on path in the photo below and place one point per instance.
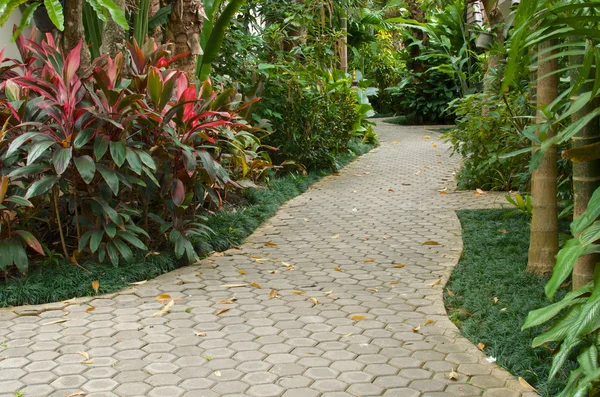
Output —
(399, 266)
(434, 145)
(270, 244)
(200, 333)
(165, 309)
(235, 285)
(337, 269)
(425, 137)
(96, 285)
(221, 311)
(298, 292)
(336, 174)
(438, 155)
(328, 292)
(335, 236)
(417, 329)
(369, 260)
(163, 297)
(391, 190)
(436, 282)
(428, 322)
(84, 354)
(242, 272)
(62, 320)
(418, 172)
(373, 289)
(273, 294)
(430, 242)
(443, 193)
(453, 375)
(77, 394)
(406, 184)
(226, 302)
(526, 384)
(90, 309)
(394, 282)
(481, 346)
(395, 143)
(256, 285)
(314, 300)
(357, 318)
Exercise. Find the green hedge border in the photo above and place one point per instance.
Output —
(232, 226)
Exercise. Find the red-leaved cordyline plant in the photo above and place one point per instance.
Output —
(99, 152)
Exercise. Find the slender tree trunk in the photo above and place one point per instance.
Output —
(416, 13)
(113, 36)
(184, 26)
(496, 52)
(156, 33)
(543, 243)
(74, 31)
(343, 45)
(586, 177)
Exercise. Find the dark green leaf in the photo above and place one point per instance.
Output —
(86, 167)
(111, 178)
(117, 151)
(41, 186)
(61, 159)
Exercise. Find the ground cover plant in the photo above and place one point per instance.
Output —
(480, 297)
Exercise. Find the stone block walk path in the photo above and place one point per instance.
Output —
(336, 296)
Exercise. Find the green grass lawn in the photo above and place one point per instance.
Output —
(493, 266)
(58, 281)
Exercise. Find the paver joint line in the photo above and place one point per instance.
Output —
(339, 294)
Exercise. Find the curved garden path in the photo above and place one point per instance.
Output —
(363, 325)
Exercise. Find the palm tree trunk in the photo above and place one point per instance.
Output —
(184, 26)
(586, 176)
(494, 65)
(543, 243)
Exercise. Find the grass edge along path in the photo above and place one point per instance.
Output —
(62, 281)
(489, 295)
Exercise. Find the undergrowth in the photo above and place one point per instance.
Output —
(493, 266)
(231, 226)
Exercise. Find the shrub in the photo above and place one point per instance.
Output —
(102, 159)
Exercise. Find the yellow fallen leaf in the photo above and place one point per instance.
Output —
(369, 260)
(372, 289)
(298, 292)
(481, 192)
(436, 282)
(426, 137)
(256, 285)
(151, 254)
(526, 384)
(433, 144)
(399, 266)
(394, 282)
(496, 299)
(84, 354)
(428, 322)
(443, 193)
(481, 346)
(417, 329)
(273, 294)
(395, 143)
(96, 285)
(255, 257)
(62, 320)
(200, 333)
(270, 244)
(76, 394)
(335, 236)
(163, 297)
(314, 300)
(235, 285)
(430, 242)
(357, 318)
(337, 269)
(328, 292)
(165, 309)
(453, 375)
(89, 362)
(90, 309)
(450, 293)
(226, 302)
(242, 272)
(438, 155)
(221, 311)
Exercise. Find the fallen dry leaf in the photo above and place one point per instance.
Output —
(443, 193)
(385, 237)
(270, 244)
(372, 289)
(139, 282)
(496, 299)
(438, 155)
(165, 309)
(357, 318)
(433, 144)
(481, 192)
(256, 285)
(298, 292)
(272, 271)
(273, 294)
(391, 190)
(314, 300)
(90, 309)
(503, 231)
(526, 384)
(62, 320)
(417, 328)
(84, 354)
(328, 292)
(163, 297)
(226, 302)
(430, 242)
(221, 311)
(481, 346)
(78, 393)
(200, 333)
(336, 174)
(428, 322)
(399, 266)
(450, 293)
(504, 309)
(337, 269)
(369, 260)
(436, 282)
(426, 137)
(335, 236)
(394, 282)
(96, 285)
(235, 285)
(418, 172)
(242, 272)
(453, 375)
(395, 143)
(217, 373)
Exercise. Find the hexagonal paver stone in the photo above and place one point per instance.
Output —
(97, 385)
(265, 390)
(133, 389)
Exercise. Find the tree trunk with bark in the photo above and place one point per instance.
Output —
(343, 44)
(184, 26)
(586, 175)
(416, 13)
(496, 53)
(74, 31)
(155, 33)
(113, 36)
(543, 243)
